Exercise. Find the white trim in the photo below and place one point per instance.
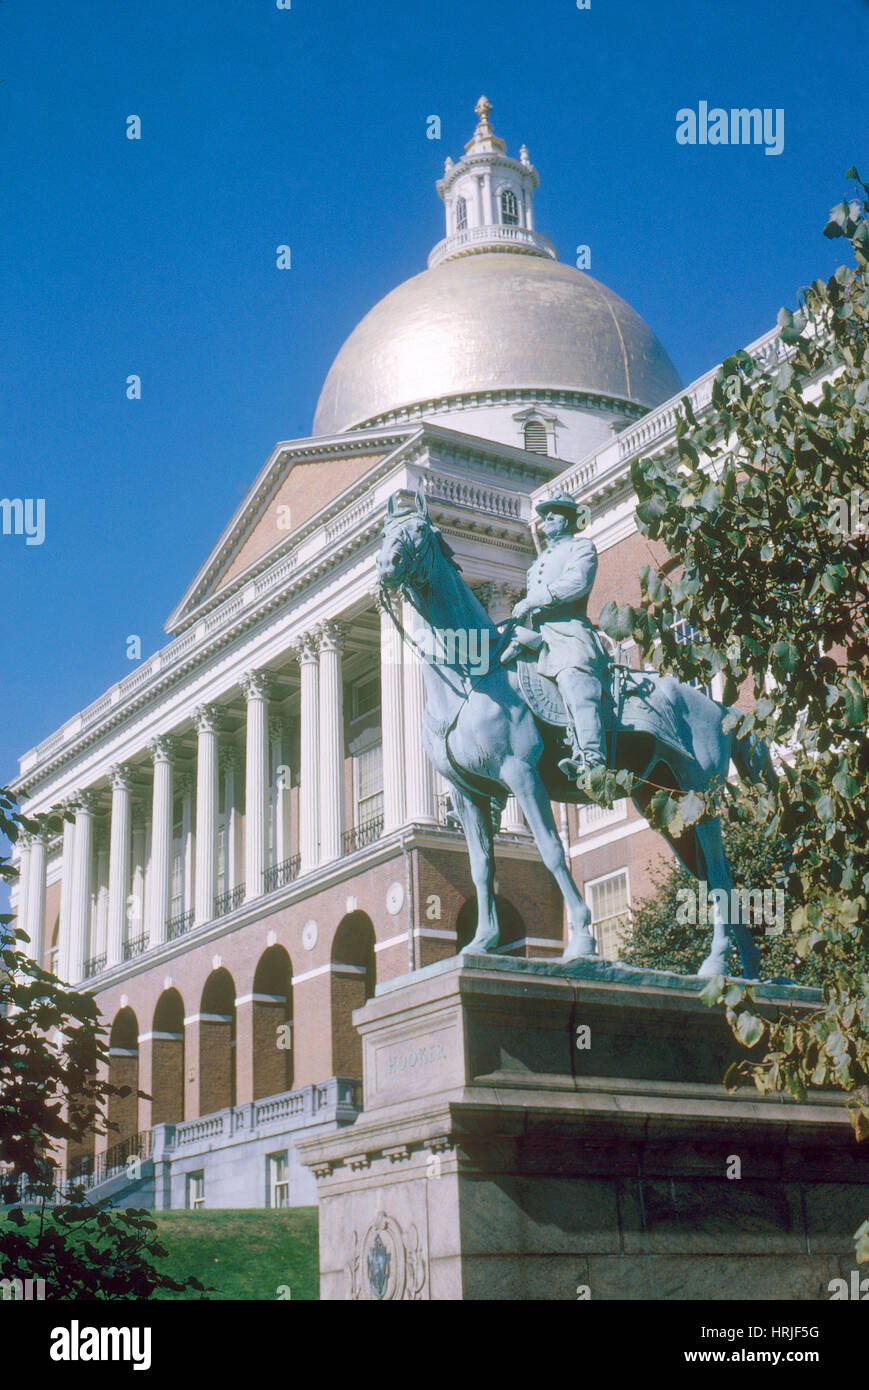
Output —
(161, 1037)
(260, 999)
(208, 1018)
(600, 841)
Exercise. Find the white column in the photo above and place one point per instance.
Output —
(309, 760)
(100, 893)
(420, 773)
(331, 742)
(136, 925)
(64, 941)
(256, 779)
(162, 751)
(185, 790)
(229, 766)
(478, 188)
(81, 885)
(22, 910)
(489, 200)
(391, 722)
(36, 897)
(279, 738)
(205, 718)
(119, 863)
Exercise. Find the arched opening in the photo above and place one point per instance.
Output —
(216, 1061)
(509, 208)
(123, 1111)
(353, 980)
(536, 441)
(509, 920)
(272, 1031)
(167, 1066)
(461, 214)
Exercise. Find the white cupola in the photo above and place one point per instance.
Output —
(488, 199)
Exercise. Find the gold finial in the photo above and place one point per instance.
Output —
(482, 108)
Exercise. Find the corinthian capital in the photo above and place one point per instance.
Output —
(205, 718)
(86, 801)
(163, 748)
(121, 776)
(306, 648)
(332, 634)
(256, 684)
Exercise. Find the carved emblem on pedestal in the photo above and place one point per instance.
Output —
(386, 1263)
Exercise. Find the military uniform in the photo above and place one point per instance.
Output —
(559, 583)
(571, 653)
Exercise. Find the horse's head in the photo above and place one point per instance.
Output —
(411, 546)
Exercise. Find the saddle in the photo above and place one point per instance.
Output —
(640, 702)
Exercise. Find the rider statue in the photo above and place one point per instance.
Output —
(571, 652)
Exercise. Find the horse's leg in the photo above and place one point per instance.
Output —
(477, 825)
(718, 875)
(525, 784)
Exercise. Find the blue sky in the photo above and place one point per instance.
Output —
(308, 127)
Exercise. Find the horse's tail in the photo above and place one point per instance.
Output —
(753, 762)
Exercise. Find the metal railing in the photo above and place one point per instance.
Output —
(177, 926)
(279, 875)
(94, 965)
(228, 901)
(362, 835)
(135, 946)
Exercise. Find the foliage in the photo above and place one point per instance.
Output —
(764, 514)
(51, 1051)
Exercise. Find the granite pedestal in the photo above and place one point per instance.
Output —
(530, 1133)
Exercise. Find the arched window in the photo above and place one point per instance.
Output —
(461, 214)
(509, 208)
(535, 437)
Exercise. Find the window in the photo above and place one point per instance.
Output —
(593, 817)
(368, 769)
(461, 214)
(535, 437)
(278, 1180)
(509, 208)
(365, 696)
(685, 634)
(196, 1191)
(610, 902)
(177, 901)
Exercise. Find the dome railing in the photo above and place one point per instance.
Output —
(493, 238)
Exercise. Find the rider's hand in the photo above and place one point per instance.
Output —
(521, 608)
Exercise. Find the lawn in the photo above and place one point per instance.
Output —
(243, 1254)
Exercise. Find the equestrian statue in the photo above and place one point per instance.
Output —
(550, 716)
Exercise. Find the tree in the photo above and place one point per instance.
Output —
(51, 1044)
(662, 939)
(764, 513)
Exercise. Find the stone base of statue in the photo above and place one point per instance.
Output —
(538, 1131)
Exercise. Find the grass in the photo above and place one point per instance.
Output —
(240, 1254)
(243, 1254)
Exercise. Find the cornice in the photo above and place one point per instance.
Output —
(593, 401)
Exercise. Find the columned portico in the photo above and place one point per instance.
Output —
(162, 751)
(119, 863)
(256, 687)
(331, 742)
(309, 780)
(392, 721)
(205, 719)
(81, 884)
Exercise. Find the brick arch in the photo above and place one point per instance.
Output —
(214, 1048)
(123, 1111)
(353, 980)
(167, 1059)
(271, 1029)
(511, 923)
